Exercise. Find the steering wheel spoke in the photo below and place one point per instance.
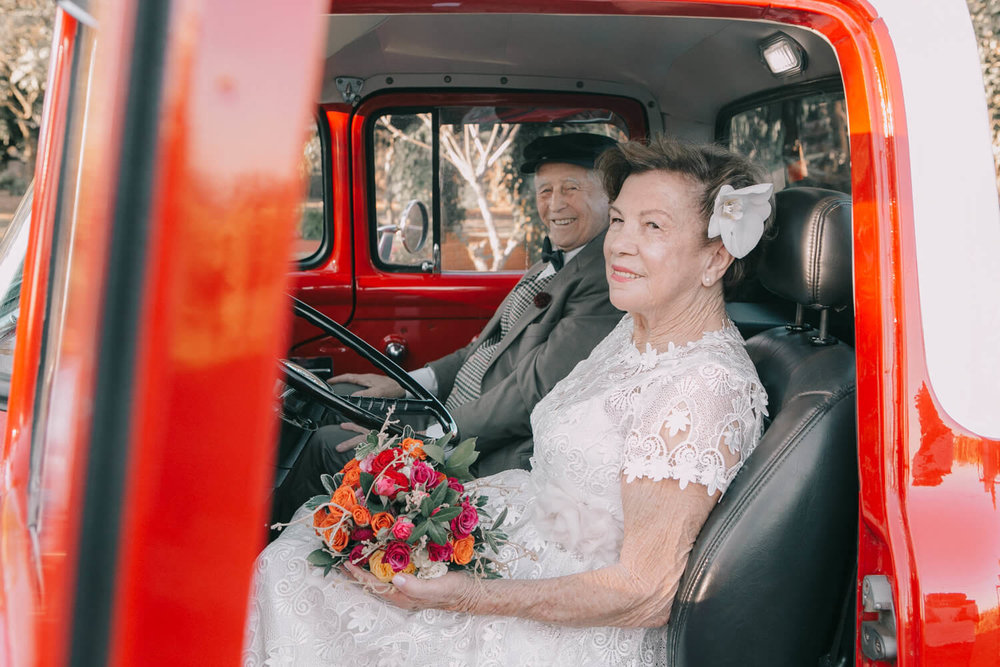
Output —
(370, 412)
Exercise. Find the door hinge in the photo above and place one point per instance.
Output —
(878, 637)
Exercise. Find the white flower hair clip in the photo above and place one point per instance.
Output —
(739, 215)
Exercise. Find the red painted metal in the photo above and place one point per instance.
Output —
(21, 611)
(198, 477)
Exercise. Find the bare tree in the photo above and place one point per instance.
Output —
(25, 36)
(475, 152)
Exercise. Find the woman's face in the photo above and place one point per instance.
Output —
(656, 254)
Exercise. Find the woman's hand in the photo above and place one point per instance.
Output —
(452, 592)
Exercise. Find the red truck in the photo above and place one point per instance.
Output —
(201, 160)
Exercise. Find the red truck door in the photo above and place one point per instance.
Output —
(153, 307)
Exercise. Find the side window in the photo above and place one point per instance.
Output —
(311, 229)
(799, 139)
(13, 247)
(403, 172)
(448, 195)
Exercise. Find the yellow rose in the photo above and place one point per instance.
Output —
(380, 568)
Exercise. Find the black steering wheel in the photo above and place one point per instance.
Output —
(369, 412)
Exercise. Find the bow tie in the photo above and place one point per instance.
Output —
(554, 256)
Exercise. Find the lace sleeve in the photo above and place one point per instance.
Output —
(699, 428)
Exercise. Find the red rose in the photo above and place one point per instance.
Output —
(463, 524)
(440, 552)
(397, 555)
(358, 556)
(383, 459)
(456, 485)
(400, 480)
(542, 299)
(421, 473)
(362, 534)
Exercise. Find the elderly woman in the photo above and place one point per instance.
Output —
(632, 450)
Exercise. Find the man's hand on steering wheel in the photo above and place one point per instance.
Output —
(377, 385)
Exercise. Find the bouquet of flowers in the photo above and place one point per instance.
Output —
(399, 506)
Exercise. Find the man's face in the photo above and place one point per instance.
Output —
(571, 203)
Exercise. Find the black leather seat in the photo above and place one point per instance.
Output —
(768, 576)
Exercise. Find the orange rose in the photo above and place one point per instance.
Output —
(353, 464)
(344, 496)
(361, 515)
(352, 478)
(382, 520)
(327, 516)
(412, 446)
(463, 550)
(340, 540)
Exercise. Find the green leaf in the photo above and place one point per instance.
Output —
(328, 483)
(462, 474)
(419, 531)
(446, 514)
(367, 479)
(464, 455)
(451, 497)
(481, 501)
(435, 452)
(320, 557)
(316, 501)
(436, 533)
(438, 494)
(499, 521)
(426, 506)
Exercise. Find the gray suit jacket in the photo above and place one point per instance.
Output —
(540, 349)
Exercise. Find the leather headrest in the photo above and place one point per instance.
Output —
(808, 261)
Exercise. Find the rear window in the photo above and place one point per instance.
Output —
(800, 135)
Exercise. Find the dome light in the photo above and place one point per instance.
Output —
(783, 55)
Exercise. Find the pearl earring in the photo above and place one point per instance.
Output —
(707, 281)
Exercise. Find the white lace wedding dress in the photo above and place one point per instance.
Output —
(602, 421)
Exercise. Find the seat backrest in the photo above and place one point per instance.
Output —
(765, 582)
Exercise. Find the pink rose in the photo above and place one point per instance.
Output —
(384, 486)
(421, 473)
(397, 556)
(402, 528)
(463, 524)
(362, 534)
(358, 556)
(366, 463)
(439, 552)
(456, 485)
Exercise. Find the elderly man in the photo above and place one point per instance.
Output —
(550, 321)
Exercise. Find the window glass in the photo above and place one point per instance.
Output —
(12, 251)
(403, 174)
(480, 208)
(309, 236)
(800, 140)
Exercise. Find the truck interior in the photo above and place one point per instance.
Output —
(772, 577)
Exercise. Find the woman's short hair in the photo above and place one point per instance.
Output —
(710, 165)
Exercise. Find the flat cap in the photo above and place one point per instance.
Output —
(581, 149)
